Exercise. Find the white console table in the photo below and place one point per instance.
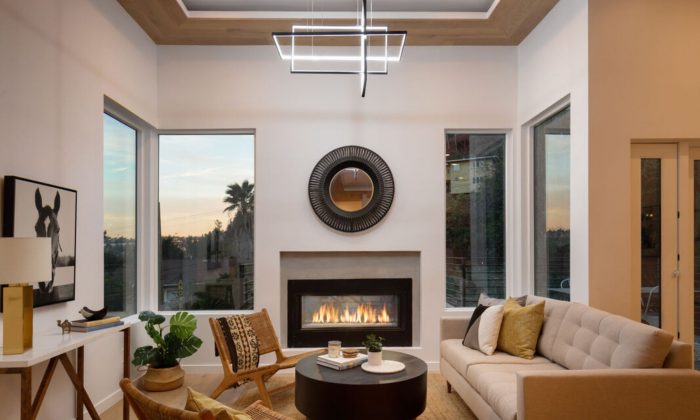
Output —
(54, 347)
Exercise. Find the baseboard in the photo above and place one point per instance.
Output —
(212, 368)
(109, 401)
(203, 368)
(106, 403)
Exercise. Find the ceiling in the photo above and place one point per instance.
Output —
(251, 22)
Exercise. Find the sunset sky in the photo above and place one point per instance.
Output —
(558, 187)
(119, 178)
(194, 171)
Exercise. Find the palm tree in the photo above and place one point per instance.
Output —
(241, 199)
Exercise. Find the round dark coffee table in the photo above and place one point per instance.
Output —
(324, 393)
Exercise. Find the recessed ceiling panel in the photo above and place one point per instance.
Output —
(251, 22)
(457, 6)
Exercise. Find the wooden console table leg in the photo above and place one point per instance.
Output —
(45, 381)
(127, 369)
(81, 376)
(26, 394)
(79, 386)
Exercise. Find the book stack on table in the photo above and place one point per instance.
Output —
(341, 363)
(82, 325)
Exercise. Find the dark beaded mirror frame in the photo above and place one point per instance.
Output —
(351, 157)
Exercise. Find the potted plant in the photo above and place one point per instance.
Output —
(164, 372)
(374, 349)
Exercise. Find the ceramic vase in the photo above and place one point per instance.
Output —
(374, 358)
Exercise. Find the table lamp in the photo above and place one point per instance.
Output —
(22, 261)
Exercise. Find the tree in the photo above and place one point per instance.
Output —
(241, 199)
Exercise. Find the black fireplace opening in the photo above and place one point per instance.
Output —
(348, 310)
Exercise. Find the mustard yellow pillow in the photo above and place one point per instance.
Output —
(520, 328)
(197, 402)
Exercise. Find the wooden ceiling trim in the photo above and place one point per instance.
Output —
(167, 24)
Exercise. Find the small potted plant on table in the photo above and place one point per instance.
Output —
(374, 349)
(164, 372)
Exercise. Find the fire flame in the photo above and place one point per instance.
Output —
(363, 314)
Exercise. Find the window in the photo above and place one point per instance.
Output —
(206, 211)
(551, 206)
(475, 203)
(119, 171)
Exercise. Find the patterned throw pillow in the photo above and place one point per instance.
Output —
(520, 328)
(484, 325)
(197, 402)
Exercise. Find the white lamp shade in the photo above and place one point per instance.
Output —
(25, 260)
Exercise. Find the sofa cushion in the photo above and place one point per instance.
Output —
(497, 384)
(461, 358)
(589, 338)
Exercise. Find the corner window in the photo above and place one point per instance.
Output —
(475, 219)
(551, 206)
(206, 219)
(119, 177)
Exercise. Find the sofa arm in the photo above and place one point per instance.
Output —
(608, 394)
(453, 326)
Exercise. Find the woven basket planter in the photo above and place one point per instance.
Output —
(167, 379)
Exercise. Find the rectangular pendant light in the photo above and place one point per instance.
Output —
(341, 49)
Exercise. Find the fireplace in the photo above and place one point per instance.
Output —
(348, 310)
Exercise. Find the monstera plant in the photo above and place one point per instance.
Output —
(172, 343)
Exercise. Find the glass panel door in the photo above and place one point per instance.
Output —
(651, 241)
(695, 162)
(654, 218)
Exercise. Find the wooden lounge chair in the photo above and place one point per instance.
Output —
(268, 343)
(149, 409)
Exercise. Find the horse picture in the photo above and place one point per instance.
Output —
(47, 227)
(37, 209)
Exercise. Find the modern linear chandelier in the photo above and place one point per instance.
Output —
(341, 49)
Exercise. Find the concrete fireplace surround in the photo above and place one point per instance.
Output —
(349, 265)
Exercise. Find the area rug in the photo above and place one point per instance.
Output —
(441, 405)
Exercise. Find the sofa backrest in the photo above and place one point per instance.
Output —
(577, 336)
(554, 313)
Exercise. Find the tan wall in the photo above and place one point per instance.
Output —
(644, 69)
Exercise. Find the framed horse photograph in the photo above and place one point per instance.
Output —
(37, 209)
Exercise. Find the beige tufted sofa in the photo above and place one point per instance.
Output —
(589, 364)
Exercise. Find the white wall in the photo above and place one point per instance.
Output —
(553, 63)
(299, 118)
(58, 60)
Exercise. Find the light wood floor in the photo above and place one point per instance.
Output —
(441, 405)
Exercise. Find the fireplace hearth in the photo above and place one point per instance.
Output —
(348, 310)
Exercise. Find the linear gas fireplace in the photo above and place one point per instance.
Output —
(348, 310)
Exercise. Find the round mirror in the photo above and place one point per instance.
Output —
(351, 189)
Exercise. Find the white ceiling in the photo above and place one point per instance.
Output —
(401, 6)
